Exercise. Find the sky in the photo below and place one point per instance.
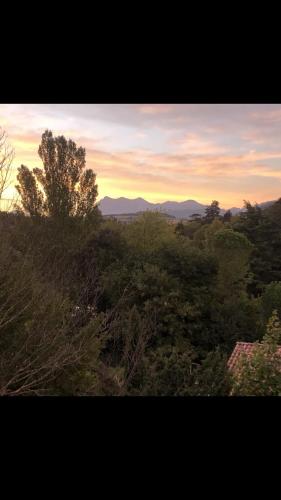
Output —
(162, 152)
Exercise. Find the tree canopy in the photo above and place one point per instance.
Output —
(63, 187)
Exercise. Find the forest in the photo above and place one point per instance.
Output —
(95, 307)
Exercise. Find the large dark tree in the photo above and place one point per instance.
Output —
(63, 187)
(263, 228)
(212, 211)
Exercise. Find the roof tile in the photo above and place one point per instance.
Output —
(241, 347)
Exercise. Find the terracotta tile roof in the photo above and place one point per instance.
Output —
(245, 347)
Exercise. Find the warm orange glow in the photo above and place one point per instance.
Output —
(161, 152)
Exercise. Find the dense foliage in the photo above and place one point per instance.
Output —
(97, 307)
(260, 373)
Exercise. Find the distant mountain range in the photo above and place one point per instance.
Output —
(180, 210)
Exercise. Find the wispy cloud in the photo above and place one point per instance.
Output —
(163, 151)
(196, 145)
(268, 116)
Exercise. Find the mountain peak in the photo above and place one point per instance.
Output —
(180, 210)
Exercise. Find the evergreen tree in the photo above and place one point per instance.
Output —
(212, 211)
(262, 227)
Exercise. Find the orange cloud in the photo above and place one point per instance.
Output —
(162, 177)
(194, 144)
(194, 166)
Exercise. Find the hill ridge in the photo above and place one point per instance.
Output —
(178, 209)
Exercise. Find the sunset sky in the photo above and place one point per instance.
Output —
(162, 152)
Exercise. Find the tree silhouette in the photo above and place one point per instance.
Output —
(31, 198)
(212, 211)
(65, 187)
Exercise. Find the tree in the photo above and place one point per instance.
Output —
(227, 216)
(260, 373)
(168, 371)
(149, 232)
(233, 250)
(87, 193)
(66, 189)
(179, 229)
(131, 334)
(174, 371)
(31, 197)
(188, 229)
(210, 231)
(212, 376)
(48, 344)
(37, 338)
(212, 211)
(230, 319)
(6, 158)
(252, 213)
(271, 299)
(196, 217)
(263, 228)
